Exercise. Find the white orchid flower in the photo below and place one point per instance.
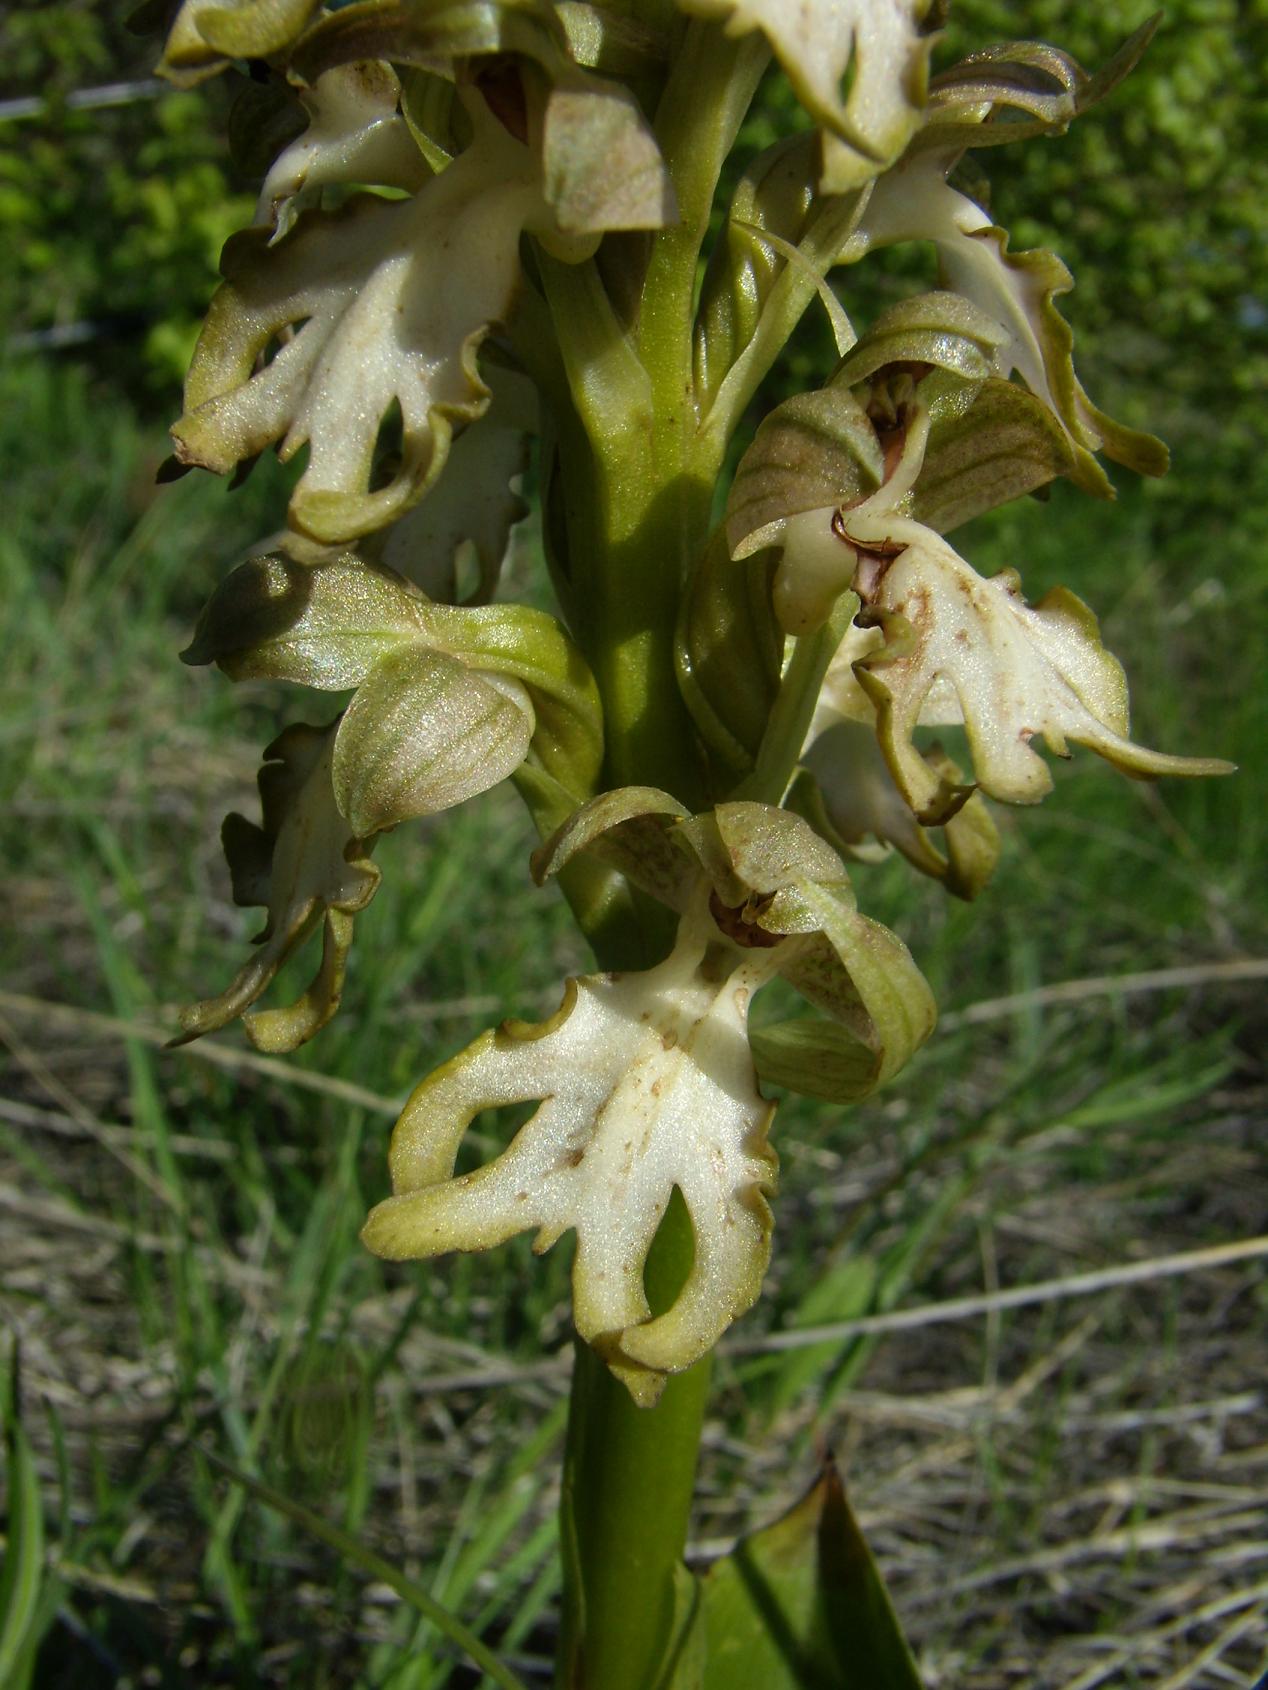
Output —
(648, 1084)
(381, 307)
(649, 1081)
(957, 647)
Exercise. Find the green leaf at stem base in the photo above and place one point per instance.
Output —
(798, 1606)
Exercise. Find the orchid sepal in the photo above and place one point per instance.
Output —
(444, 674)
(208, 34)
(771, 878)
(886, 48)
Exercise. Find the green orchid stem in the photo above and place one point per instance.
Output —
(638, 497)
(627, 1485)
(636, 489)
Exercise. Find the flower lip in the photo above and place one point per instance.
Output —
(647, 1085)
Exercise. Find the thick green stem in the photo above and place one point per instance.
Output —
(627, 1485)
(639, 506)
(637, 486)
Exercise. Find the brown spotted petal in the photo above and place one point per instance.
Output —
(1020, 672)
(647, 1085)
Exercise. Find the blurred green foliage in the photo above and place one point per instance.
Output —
(111, 217)
(1158, 202)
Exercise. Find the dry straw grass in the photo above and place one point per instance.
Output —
(1070, 1495)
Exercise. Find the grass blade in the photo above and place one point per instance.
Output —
(23, 1569)
(356, 1554)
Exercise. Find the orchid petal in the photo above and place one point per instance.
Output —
(355, 134)
(423, 733)
(881, 47)
(1019, 671)
(385, 303)
(914, 202)
(648, 1086)
(476, 501)
(860, 800)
